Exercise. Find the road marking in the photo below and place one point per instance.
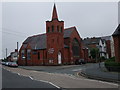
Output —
(54, 85)
(76, 69)
(48, 83)
(18, 74)
(30, 77)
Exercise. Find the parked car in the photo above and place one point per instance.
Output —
(3, 63)
(7, 63)
(13, 64)
(80, 61)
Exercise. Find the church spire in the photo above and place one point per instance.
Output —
(54, 14)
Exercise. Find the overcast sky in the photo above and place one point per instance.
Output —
(20, 20)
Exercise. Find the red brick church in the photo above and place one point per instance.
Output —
(57, 46)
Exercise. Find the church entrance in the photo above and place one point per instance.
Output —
(59, 58)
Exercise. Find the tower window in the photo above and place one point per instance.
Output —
(61, 29)
(48, 29)
(52, 28)
(58, 28)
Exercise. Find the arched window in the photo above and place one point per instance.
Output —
(52, 28)
(75, 48)
(28, 54)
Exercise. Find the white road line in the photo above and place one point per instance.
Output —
(30, 77)
(76, 69)
(54, 85)
(18, 74)
(50, 83)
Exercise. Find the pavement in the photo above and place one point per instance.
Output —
(100, 73)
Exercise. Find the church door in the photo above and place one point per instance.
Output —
(59, 58)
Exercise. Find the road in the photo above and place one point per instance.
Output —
(62, 80)
(67, 69)
(12, 80)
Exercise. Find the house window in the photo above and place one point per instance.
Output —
(58, 28)
(38, 55)
(23, 54)
(52, 28)
(28, 54)
(48, 29)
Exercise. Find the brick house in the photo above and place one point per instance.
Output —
(116, 38)
(57, 46)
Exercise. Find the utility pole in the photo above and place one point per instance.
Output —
(17, 51)
(6, 53)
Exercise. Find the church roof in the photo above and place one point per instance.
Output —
(39, 41)
(117, 31)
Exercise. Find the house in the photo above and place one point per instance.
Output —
(14, 56)
(109, 46)
(96, 42)
(57, 46)
(116, 38)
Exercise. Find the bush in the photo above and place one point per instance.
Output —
(102, 58)
(111, 65)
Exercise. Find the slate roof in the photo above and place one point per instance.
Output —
(68, 31)
(39, 41)
(89, 41)
(106, 37)
(117, 31)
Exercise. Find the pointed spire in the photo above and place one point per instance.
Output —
(54, 14)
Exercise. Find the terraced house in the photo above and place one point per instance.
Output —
(57, 46)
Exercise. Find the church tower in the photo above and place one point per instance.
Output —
(55, 39)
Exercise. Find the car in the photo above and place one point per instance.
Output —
(3, 63)
(13, 64)
(80, 61)
(7, 63)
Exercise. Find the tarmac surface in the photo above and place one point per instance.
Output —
(12, 80)
(90, 70)
(63, 80)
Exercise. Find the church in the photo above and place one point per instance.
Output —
(58, 46)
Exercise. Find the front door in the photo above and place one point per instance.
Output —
(59, 58)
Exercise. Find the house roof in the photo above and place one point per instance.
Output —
(39, 41)
(89, 41)
(106, 37)
(117, 31)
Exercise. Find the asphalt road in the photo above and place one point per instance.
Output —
(12, 80)
(68, 69)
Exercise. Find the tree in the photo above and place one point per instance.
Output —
(94, 53)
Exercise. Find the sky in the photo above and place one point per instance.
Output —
(23, 19)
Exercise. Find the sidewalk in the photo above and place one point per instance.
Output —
(100, 73)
